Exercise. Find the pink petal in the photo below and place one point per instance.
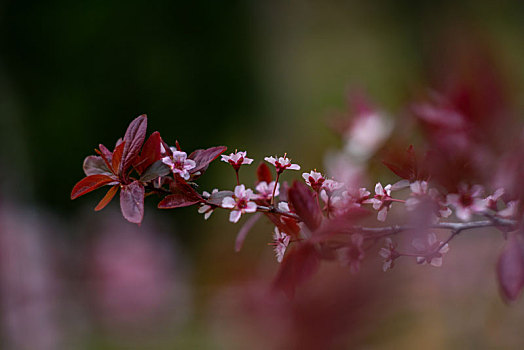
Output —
(228, 202)
(235, 216)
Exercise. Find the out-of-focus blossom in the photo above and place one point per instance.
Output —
(265, 190)
(280, 243)
(237, 159)
(510, 210)
(314, 179)
(368, 132)
(331, 185)
(429, 250)
(492, 199)
(352, 254)
(282, 163)
(420, 192)
(30, 288)
(136, 279)
(389, 254)
(178, 163)
(467, 201)
(240, 203)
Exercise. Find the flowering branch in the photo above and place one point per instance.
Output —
(317, 219)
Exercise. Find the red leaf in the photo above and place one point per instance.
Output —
(107, 198)
(264, 173)
(90, 183)
(183, 196)
(117, 156)
(132, 202)
(150, 152)
(406, 165)
(299, 264)
(106, 156)
(203, 157)
(241, 236)
(177, 200)
(134, 138)
(217, 197)
(95, 165)
(510, 268)
(305, 205)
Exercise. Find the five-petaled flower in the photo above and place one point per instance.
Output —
(178, 163)
(240, 203)
(430, 250)
(382, 201)
(265, 191)
(282, 163)
(467, 201)
(237, 159)
(280, 242)
(389, 254)
(314, 179)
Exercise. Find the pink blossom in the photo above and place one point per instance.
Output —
(314, 179)
(352, 254)
(369, 130)
(280, 243)
(492, 199)
(389, 254)
(179, 163)
(337, 204)
(207, 209)
(510, 210)
(420, 191)
(429, 250)
(265, 191)
(282, 163)
(467, 202)
(331, 185)
(237, 159)
(240, 202)
(382, 201)
(283, 206)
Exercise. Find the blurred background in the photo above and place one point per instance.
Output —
(262, 76)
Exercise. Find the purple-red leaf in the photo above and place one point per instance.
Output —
(299, 264)
(155, 170)
(183, 196)
(241, 236)
(217, 197)
(176, 200)
(95, 165)
(107, 198)
(150, 153)
(264, 173)
(510, 268)
(117, 155)
(132, 202)
(107, 155)
(90, 183)
(203, 157)
(134, 138)
(305, 205)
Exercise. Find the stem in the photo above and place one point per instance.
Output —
(238, 180)
(274, 189)
(277, 211)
